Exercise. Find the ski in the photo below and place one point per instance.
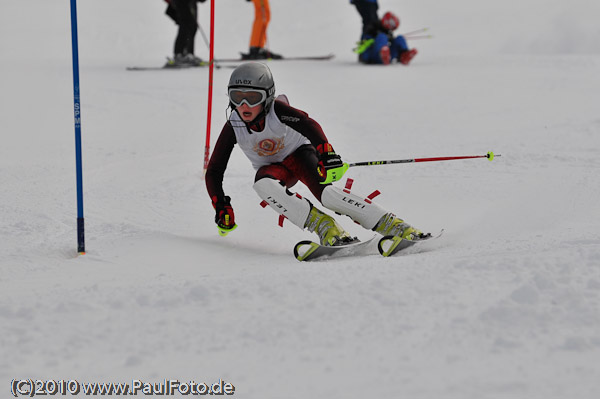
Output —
(391, 245)
(149, 68)
(297, 58)
(170, 66)
(387, 246)
(309, 250)
(158, 68)
(173, 68)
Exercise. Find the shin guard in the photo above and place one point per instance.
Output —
(365, 213)
(292, 206)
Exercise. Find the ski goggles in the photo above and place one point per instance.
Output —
(252, 97)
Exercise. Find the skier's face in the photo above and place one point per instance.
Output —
(248, 113)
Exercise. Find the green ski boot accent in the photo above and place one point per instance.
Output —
(363, 45)
(330, 233)
(390, 225)
(397, 234)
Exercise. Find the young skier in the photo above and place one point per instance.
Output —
(378, 44)
(286, 146)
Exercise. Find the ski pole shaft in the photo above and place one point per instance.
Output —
(415, 31)
(210, 48)
(203, 35)
(420, 37)
(490, 155)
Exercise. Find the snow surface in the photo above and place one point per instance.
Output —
(505, 305)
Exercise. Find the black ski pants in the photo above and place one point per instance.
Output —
(187, 13)
(368, 13)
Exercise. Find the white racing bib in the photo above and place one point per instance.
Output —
(272, 145)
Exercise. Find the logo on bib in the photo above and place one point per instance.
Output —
(269, 147)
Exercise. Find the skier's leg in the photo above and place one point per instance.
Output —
(368, 14)
(401, 52)
(188, 25)
(299, 210)
(295, 208)
(399, 45)
(366, 213)
(378, 52)
(262, 16)
(192, 27)
(303, 165)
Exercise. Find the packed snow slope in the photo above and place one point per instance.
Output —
(505, 305)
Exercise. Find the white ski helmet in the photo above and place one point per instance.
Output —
(253, 75)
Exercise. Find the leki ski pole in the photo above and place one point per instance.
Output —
(490, 155)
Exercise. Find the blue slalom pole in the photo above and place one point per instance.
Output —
(77, 114)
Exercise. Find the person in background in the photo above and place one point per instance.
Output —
(378, 44)
(185, 14)
(258, 38)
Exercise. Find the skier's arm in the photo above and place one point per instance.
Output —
(300, 122)
(218, 163)
(331, 167)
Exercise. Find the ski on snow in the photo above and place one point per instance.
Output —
(387, 246)
(309, 250)
(216, 62)
(295, 58)
(172, 67)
